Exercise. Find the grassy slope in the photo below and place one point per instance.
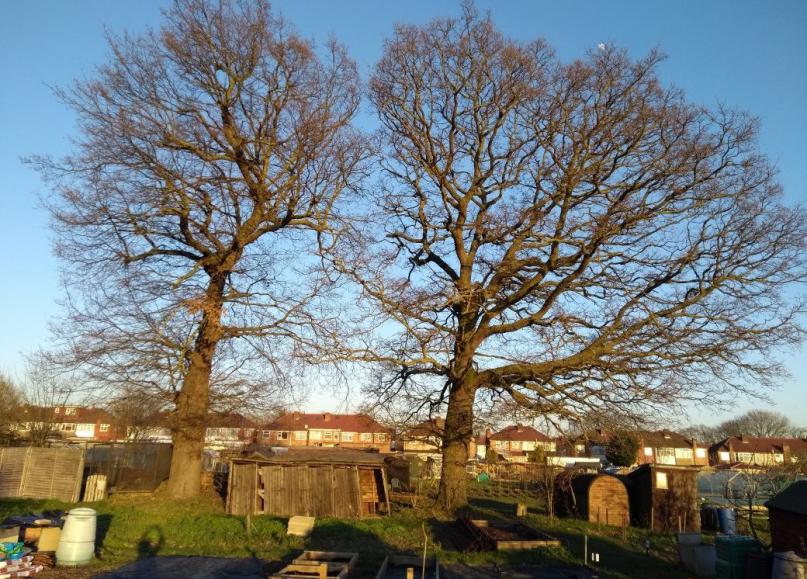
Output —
(129, 528)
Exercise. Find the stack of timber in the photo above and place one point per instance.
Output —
(95, 488)
(41, 473)
(328, 482)
(301, 526)
(408, 567)
(502, 535)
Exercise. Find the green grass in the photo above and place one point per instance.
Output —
(142, 526)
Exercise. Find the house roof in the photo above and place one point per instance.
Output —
(78, 415)
(326, 420)
(761, 445)
(793, 499)
(433, 427)
(519, 432)
(313, 456)
(664, 439)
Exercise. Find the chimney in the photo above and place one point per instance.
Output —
(786, 454)
(295, 415)
(519, 428)
(327, 417)
(488, 432)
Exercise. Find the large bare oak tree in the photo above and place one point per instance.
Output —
(209, 158)
(573, 237)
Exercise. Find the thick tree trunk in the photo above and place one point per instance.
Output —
(190, 418)
(453, 494)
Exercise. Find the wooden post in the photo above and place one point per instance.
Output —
(598, 515)
(679, 523)
(521, 510)
(607, 522)
(410, 573)
(585, 550)
(323, 571)
(652, 518)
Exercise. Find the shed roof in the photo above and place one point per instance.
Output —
(313, 456)
(793, 499)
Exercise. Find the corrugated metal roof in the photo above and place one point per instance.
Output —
(793, 499)
(313, 456)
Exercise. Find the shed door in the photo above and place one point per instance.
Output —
(243, 489)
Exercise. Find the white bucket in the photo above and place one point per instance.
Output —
(77, 543)
(788, 565)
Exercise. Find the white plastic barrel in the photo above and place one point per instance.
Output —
(77, 543)
(788, 565)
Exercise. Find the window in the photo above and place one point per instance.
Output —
(57, 410)
(724, 456)
(648, 451)
(500, 444)
(105, 428)
(661, 480)
(328, 435)
(68, 426)
(282, 435)
(665, 455)
(683, 454)
(347, 436)
(299, 435)
(69, 411)
(580, 447)
(315, 434)
(700, 452)
(745, 456)
(85, 430)
(381, 437)
(515, 445)
(367, 437)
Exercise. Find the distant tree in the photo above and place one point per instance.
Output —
(10, 408)
(45, 388)
(702, 433)
(757, 423)
(622, 448)
(571, 236)
(210, 158)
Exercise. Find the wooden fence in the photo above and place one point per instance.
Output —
(41, 473)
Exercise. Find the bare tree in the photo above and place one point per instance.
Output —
(10, 408)
(45, 389)
(574, 237)
(757, 423)
(210, 156)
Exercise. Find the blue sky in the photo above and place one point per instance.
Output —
(747, 54)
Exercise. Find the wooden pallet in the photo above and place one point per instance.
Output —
(317, 557)
(313, 570)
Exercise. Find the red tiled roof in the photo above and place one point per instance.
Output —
(518, 432)
(761, 445)
(433, 427)
(343, 422)
(81, 415)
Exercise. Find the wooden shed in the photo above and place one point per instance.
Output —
(664, 497)
(788, 516)
(328, 482)
(598, 498)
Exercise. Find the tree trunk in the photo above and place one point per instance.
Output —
(190, 418)
(453, 493)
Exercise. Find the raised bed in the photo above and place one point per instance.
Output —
(313, 569)
(503, 535)
(398, 566)
(330, 557)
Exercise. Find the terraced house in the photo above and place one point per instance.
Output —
(670, 448)
(757, 452)
(345, 430)
(515, 443)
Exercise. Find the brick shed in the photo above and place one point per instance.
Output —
(788, 515)
(598, 498)
(664, 497)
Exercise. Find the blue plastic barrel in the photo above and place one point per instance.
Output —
(728, 521)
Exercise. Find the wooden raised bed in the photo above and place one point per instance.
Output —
(313, 570)
(502, 535)
(330, 557)
(396, 567)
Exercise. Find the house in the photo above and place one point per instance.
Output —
(228, 430)
(425, 438)
(316, 482)
(664, 497)
(70, 423)
(515, 443)
(788, 517)
(667, 447)
(757, 452)
(296, 429)
(574, 453)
